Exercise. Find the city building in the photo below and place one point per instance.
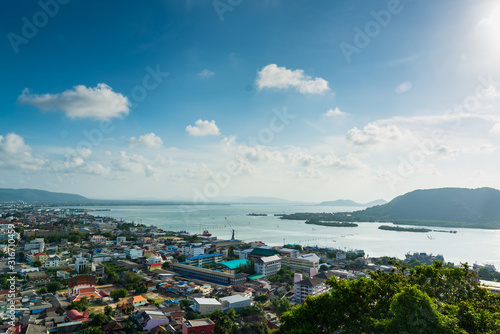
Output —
(206, 305)
(302, 263)
(204, 259)
(198, 326)
(311, 286)
(236, 302)
(192, 250)
(80, 263)
(209, 275)
(133, 253)
(268, 265)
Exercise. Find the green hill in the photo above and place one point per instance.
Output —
(34, 195)
(474, 206)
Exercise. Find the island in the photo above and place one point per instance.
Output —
(404, 229)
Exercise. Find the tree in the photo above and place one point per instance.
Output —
(37, 264)
(108, 310)
(99, 319)
(53, 287)
(118, 293)
(261, 298)
(141, 289)
(185, 304)
(424, 299)
(41, 290)
(224, 322)
(91, 330)
(283, 306)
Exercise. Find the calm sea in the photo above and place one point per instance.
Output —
(467, 245)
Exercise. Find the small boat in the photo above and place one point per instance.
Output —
(206, 233)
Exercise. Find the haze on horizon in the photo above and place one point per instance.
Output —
(181, 99)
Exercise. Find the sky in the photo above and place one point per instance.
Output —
(207, 100)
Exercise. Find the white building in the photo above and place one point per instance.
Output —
(206, 305)
(268, 265)
(312, 286)
(153, 259)
(304, 262)
(192, 250)
(80, 263)
(289, 252)
(52, 262)
(98, 239)
(120, 240)
(133, 253)
(237, 302)
(37, 244)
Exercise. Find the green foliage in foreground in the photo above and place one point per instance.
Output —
(425, 299)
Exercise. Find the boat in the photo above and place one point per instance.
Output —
(206, 233)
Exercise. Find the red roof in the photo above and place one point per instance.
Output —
(104, 293)
(156, 265)
(40, 254)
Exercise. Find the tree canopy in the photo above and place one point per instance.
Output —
(423, 299)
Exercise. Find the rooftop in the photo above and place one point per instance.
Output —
(203, 256)
(207, 301)
(264, 252)
(234, 264)
(198, 322)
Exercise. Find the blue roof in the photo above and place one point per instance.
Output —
(233, 264)
(203, 256)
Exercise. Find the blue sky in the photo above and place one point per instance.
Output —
(206, 100)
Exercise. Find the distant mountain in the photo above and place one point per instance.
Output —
(445, 204)
(348, 202)
(34, 195)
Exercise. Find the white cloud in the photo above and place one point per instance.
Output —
(272, 76)
(403, 87)
(13, 144)
(206, 73)
(313, 161)
(373, 133)
(132, 163)
(81, 102)
(203, 128)
(14, 153)
(334, 113)
(495, 130)
(148, 140)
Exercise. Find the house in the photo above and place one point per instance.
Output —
(150, 319)
(39, 277)
(133, 253)
(137, 301)
(236, 302)
(154, 266)
(112, 327)
(74, 315)
(52, 262)
(206, 305)
(268, 265)
(198, 326)
(98, 239)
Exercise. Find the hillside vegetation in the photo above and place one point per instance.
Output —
(444, 207)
